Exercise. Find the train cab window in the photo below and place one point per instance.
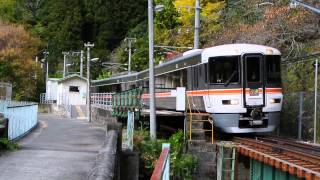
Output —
(273, 69)
(253, 69)
(224, 70)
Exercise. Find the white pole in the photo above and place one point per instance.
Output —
(315, 101)
(81, 63)
(130, 52)
(88, 46)
(153, 128)
(64, 63)
(129, 63)
(47, 74)
(37, 60)
(197, 25)
(46, 53)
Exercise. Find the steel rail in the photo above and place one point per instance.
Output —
(271, 158)
(297, 145)
(279, 149)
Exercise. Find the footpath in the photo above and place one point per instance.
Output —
(58, 149)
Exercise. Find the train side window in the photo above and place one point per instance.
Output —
(224, 70)
(196, 77)
(206, 73)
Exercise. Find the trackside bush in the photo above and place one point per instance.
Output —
(182, 164)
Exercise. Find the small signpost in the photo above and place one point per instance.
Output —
(130, 130)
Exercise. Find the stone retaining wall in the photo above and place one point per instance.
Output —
(106, 165)
(104, 118)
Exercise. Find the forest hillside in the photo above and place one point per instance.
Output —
(65, 25)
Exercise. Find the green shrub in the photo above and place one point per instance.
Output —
(5, 144)
(182, 165)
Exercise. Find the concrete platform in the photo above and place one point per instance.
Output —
(58, 149)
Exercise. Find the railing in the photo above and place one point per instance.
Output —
(226, 158)
(134, 100)
(44, 99)
(23, 116)
(125, 101)
(102, 100)
(162, 168)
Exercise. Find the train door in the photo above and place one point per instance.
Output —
(253, 80)
(206, 98)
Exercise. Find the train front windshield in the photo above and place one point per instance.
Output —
(226, 70)
(273, 72)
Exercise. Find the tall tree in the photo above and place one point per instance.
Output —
(17, 65)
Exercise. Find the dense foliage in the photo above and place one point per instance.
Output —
(65, 25)
(182, 165)
(17, 65)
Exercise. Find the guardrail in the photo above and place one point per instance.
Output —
(162, 168)
(23, 116)
(102, 100)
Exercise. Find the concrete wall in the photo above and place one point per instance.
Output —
(106, 165)
(104, 118)
(46, 108)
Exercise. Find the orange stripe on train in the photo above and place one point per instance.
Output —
(166, 94)
(230, 92)
(215, 92)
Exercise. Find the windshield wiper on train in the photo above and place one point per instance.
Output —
(230, 78)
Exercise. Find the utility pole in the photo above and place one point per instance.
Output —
(64, 62)
(46, 53)
(81, 63)
(130, 40)
(197, 24)
(37, 60)
(88, 46)
(315, 102)
(151, 73)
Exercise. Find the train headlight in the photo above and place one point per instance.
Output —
(275, 100)
(230, 102)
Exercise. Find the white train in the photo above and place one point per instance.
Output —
(238, 84)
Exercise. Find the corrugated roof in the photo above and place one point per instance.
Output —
(70, 77)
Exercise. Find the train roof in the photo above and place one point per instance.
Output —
(181, 62)
(237, 50)
(191, 58)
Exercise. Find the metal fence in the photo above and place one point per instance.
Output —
(23, 116)
(300, 83)
(44, 99)
(102, 100)
(297, 118)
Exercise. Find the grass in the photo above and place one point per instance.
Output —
(5, 144)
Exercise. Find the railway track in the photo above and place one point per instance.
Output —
(297, 158)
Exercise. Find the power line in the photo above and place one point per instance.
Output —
(301, 58)
(295, 3)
